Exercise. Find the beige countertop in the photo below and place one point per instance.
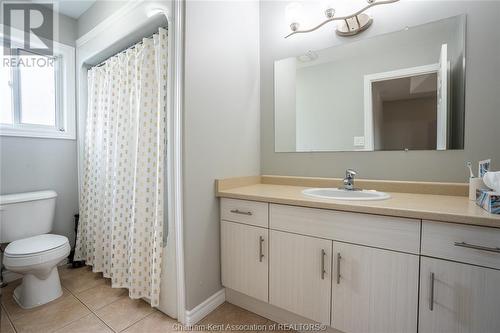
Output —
(446, 208)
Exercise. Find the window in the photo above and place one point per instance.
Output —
(6, 114)
(37, 93)
(37, 90)
(29, 88)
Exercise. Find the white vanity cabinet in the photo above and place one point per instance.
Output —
(244, 259)
(245, 247)
(458, 297)
(300, 275)
(362, 273)
(374, 290)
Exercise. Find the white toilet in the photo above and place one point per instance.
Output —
(25, 222)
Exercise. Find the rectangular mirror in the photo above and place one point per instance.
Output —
(403, 90)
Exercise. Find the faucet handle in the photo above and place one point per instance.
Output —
(350, 173)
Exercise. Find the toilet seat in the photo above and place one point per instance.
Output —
(36, 250)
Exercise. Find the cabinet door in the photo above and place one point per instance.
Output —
(458, 298)
(300, 275)
(374, 290)
(244, 259)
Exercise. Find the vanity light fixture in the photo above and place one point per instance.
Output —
(350, 25)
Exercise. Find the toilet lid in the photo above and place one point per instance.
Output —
(36, 244)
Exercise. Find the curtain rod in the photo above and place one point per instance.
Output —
(102, 63)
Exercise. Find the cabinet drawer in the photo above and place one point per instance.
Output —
(243, 211)
(399, 234)
(469, 244)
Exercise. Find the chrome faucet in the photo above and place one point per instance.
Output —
(349, 180)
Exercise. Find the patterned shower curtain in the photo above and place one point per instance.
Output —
(122, 197)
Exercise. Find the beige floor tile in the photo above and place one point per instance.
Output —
(68, 269)
(124, 312)
(5, 324)
(157, 322)
(229, 314)
(87, 324)
(7, 300)
(102, 295)
(80, 279)
(51, 316)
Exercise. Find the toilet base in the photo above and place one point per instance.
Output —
(34, 292)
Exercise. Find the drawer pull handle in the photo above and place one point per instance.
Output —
(478, 247)
(338, 267)
(323, 270)
(431, 298)
(261, 251)
(237, 211)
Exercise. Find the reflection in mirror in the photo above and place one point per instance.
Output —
(404, 113)
(399, 91)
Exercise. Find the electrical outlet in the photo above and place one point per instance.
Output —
(359, 141)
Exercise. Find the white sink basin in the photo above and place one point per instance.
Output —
(341, 194)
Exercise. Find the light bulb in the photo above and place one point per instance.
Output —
(293, 13)
(155, 11)
(329, 8)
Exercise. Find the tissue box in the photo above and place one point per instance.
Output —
(488, 200)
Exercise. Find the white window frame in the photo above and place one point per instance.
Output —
(65, 94)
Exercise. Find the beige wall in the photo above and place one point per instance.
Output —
(482, 94)
(221, 126)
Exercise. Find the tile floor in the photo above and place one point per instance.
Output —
(90, 305)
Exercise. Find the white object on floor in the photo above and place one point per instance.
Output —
(36, 258)
(9, 276)
(26, 218)
(492, 180)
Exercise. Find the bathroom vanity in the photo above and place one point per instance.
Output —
(417, 262)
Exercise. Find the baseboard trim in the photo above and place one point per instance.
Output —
(203, 309)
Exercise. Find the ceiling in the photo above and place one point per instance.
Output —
(412, 87)
(71, 8)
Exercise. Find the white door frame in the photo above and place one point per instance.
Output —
(383, 76)
(175, 162)
(94, 42)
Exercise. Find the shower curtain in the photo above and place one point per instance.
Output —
(122, 196)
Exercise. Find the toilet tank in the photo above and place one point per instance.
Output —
(27, 214)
